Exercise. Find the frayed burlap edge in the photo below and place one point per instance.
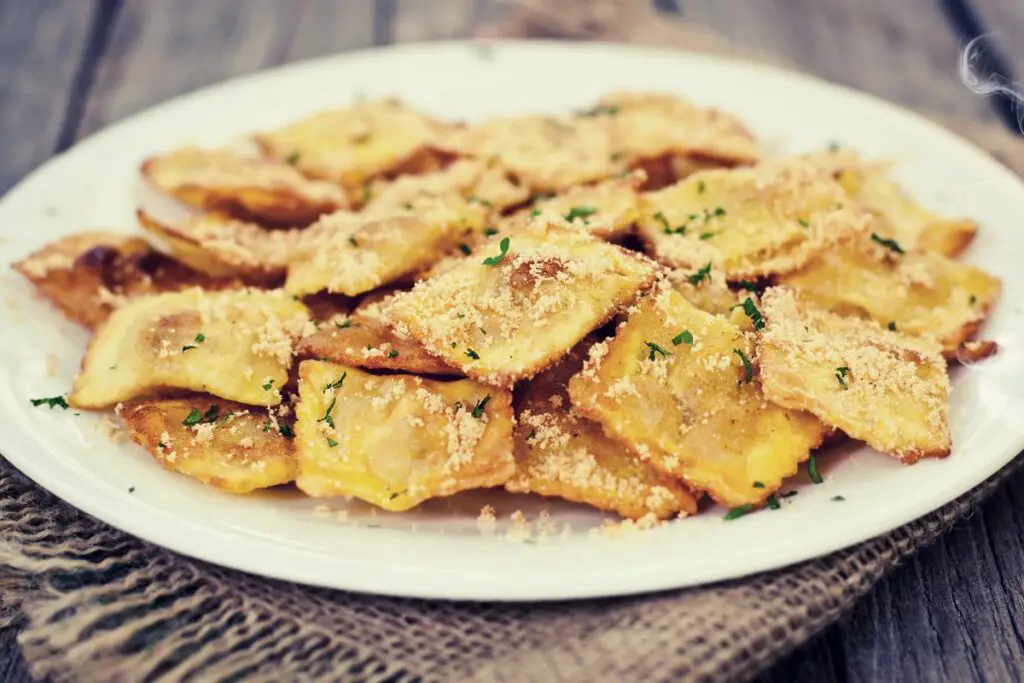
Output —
(98, 605)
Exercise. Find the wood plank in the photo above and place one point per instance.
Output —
(162, 48)
(954, 612)
(41, 45)
(904, 52)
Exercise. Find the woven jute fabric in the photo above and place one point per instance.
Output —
(98, 605)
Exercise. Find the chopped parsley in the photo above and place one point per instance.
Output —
(353, 242)
(580, 212)
(973, 300)
(200, 338)
(889, 244)
(472, 354)
(367, 193)
(788, 494)
(837, 499)
(772, 503)
(343, 324)
(327, 413)
(684, 337)
(696, 278)
(533, 433)
(701, 187)
(495, 260)
(478, 409)
(748, 369)
(266, 387)
(480, 200)
(660, 217)
(490, 231)
(601, 110)
(752, 312)
(393, 353)
(738, 512)
(286, 430)
(758, 484)
(396, 494)
(803, 223)
(188, 347)
(534, 213)
(131, 489)
(707, 235)
(655, 349)
(892, 325)
(812, 470)
(717, 213)
(747, 285)
(337, 383)
(331, 442)
(292, 158)
(464, 248)
(194, 417)
(841, 374)
(51, 403)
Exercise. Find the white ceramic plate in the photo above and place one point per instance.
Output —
(438, 551)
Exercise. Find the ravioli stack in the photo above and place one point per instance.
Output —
(629, 307)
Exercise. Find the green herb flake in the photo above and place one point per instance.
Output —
(973, 300)
(286, 430)
(188, 347)
(480, 200)
(51, 402)
(488, 232)
(131, 489)
(707, 235)
(738, 512)
(655, 350)
(396, 494)
(788, 494)
(194, 417)
(353, 242)
(747, 285)
(472, 354)
(889, 244)
(533, 433)
(346, 323)
(892, 325)
(600, 110)
(684, 337)
(758, 484)
(393, 353)
(534, 213)
(837, 499)
(464, 248)
(200, 338)
(328, 418)
(750, 308)
(367, 193)
(478, 409)
(701, 187)
(812, 470)
(748, 369)
(336, 384)
(772, 503)
(268, 385)
(495, 260)
(803, 223)
(841, 374)
(698, 277)
(580, 212)
(331, 442)
(293, 158)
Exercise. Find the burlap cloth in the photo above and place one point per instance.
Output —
(98, 605)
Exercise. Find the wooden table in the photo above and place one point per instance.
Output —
(71, 67)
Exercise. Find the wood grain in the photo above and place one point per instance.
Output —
(902, 51)
(42, 44)
(162, 48)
